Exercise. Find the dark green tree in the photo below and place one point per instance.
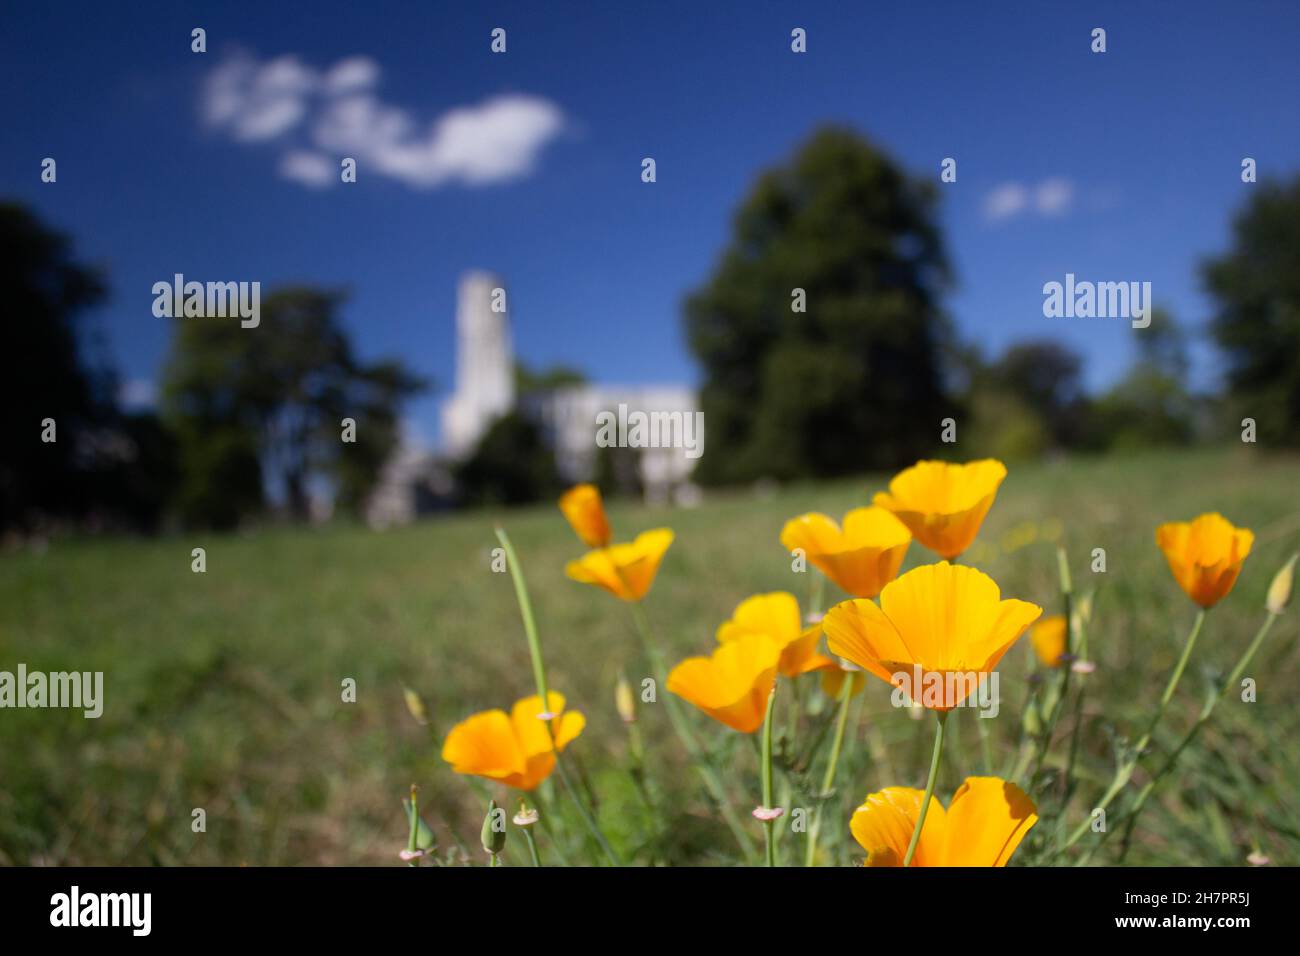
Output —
(1256, 323)
(47, 372)
(1045, 377)
(1151, 405)
(854, 382)
(265, 406)
(511, 465)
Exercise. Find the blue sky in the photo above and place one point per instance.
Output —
(1116, 166)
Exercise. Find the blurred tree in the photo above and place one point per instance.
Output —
(265, 406)
(1256, 287)
(1151, 405)
(1045, 377)
(854, 382)
(550, 378)
(511, 465)
(45, 373)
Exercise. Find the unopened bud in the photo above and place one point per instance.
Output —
(1279, 592)
(415, 705)
(494, 829)
(625, 700)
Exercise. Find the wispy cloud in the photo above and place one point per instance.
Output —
(316, 117)
(1051, 197)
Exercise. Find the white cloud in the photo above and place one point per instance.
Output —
(311, 169)
(1054, 196)
(316, 117)
(1051, 197)
(496, 141)
(255, 102)
(1007, 200)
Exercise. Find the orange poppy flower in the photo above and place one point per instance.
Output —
(515, 749)
(624, 570)
(983, 825)
(583, 507)
(944, 504)
(733, 684)
(939, 619)
(1048, 637)
(862, 558)
(777, 616)
(1205, 555)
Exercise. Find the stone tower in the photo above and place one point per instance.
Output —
(485, 374)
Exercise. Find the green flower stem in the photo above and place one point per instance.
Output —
(1043, 744)
(411, 844)
(539, 675)
(526, 610)
(532, 845)
(769, 838)
(986, 744)
(816, 594)
(1125, 771)
(929, 787)
(1202, 719)
(828, 781)
(693, 748)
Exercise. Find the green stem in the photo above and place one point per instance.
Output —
(539, 675)
(526, 610)
(1125, 771)
(929, 788)
(828, 781)
(1202, 719)
(411, 844)
(532, 846)
(986, 744)
(768, 835)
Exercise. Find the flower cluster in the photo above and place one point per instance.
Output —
(935, 633)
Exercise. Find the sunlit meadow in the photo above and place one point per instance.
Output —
(223, 689)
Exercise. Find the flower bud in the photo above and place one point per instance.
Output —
(415, 705)
(625, 700)
(1279, 592)
(494, 829)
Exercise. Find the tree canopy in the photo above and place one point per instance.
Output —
(855, 381)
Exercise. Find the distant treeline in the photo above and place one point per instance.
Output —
(822, 335)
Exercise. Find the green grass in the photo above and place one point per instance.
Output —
(223, 689)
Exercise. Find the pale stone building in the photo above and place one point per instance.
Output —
(485, 365)
(415, 481)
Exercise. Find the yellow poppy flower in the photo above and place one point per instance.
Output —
(937, 619)
(624, 570)
(733, 684)
(1048, 636)
(515, 749)
(1205, 555)
(983, 825)
(944, 504)
(583, 507)
(862, 558)
(777, 616)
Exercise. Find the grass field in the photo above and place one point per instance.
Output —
(223, 689)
